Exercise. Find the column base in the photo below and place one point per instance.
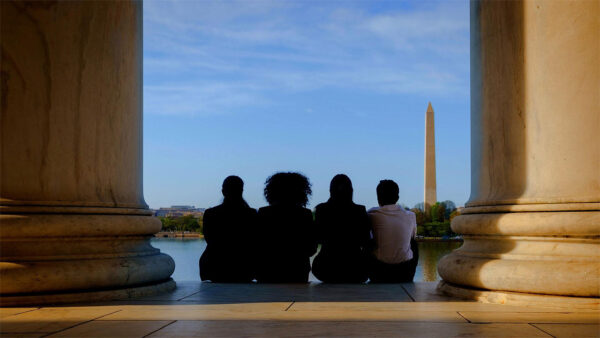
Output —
(517, 298)
(91, 296)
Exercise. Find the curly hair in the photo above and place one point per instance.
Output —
(287, 189)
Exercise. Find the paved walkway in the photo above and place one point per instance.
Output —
(213, 310)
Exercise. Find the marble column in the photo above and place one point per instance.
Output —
(74, 225)
(430, 192)
(532, 223)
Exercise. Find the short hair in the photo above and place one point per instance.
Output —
(387, 192)
(287, 189)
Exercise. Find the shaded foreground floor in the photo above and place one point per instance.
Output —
(212, 310)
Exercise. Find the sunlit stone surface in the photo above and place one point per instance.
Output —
(533, 220)
(299, 310)
(73, 216)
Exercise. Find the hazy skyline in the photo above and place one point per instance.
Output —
(255, 87)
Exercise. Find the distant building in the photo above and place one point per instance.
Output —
(183, 207)
(179, 211)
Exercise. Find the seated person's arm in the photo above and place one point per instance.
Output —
(207, 227)
(318, 227)
(370, 242)
(365, 228)
(414, 225)
(311, 238)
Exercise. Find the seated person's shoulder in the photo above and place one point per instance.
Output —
(321, 207)
(264, 210)
(212, 211)
(411, 215)
(360, 208)
(250, 213)
(373, 210)
(307, 213)
(408, 212)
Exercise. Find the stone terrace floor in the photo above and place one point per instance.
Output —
(235, 310)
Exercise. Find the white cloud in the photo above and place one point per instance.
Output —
(214, 57)
(205, 99)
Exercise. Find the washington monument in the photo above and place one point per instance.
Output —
(430, 185)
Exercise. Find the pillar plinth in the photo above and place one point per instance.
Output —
(74, 225)
(532, 224)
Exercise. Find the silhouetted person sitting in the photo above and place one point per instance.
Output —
(396, 253)
(285, 231)
(228, 230)
(343, 231)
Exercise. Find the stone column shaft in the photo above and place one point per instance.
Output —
(73, 216)
(532, 223)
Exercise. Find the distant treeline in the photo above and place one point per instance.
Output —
(435, 223)
(183, 223)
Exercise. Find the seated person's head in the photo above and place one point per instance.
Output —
(387, 192)
(291, 189)
(340, 189)
(232, 189)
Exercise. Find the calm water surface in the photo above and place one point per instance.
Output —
(186, 253)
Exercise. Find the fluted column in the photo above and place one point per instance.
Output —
(532, 223)
(73, 218)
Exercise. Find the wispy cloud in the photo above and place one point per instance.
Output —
(215, 57)
(199, 99)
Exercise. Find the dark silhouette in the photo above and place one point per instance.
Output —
(228, 231)
(285, 231)
(343, 231)
(388, 192)
(394, 229)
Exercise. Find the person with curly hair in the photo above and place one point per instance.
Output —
(228, 230)
(285, 235)
(344, 232)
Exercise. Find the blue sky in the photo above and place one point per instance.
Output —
(320, 87)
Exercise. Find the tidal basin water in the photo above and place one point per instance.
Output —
(186, 253)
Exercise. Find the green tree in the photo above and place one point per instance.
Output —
(168, 224)
(449, 207)
(420, 206)
(420, 216)
(188, 223)
(437, 212)
(184, 223)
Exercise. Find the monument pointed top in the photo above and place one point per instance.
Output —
(429, 108)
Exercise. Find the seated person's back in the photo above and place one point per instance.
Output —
(285, 239)
(228, 233)
(342, 229)
(395, 255)
(393, 228)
